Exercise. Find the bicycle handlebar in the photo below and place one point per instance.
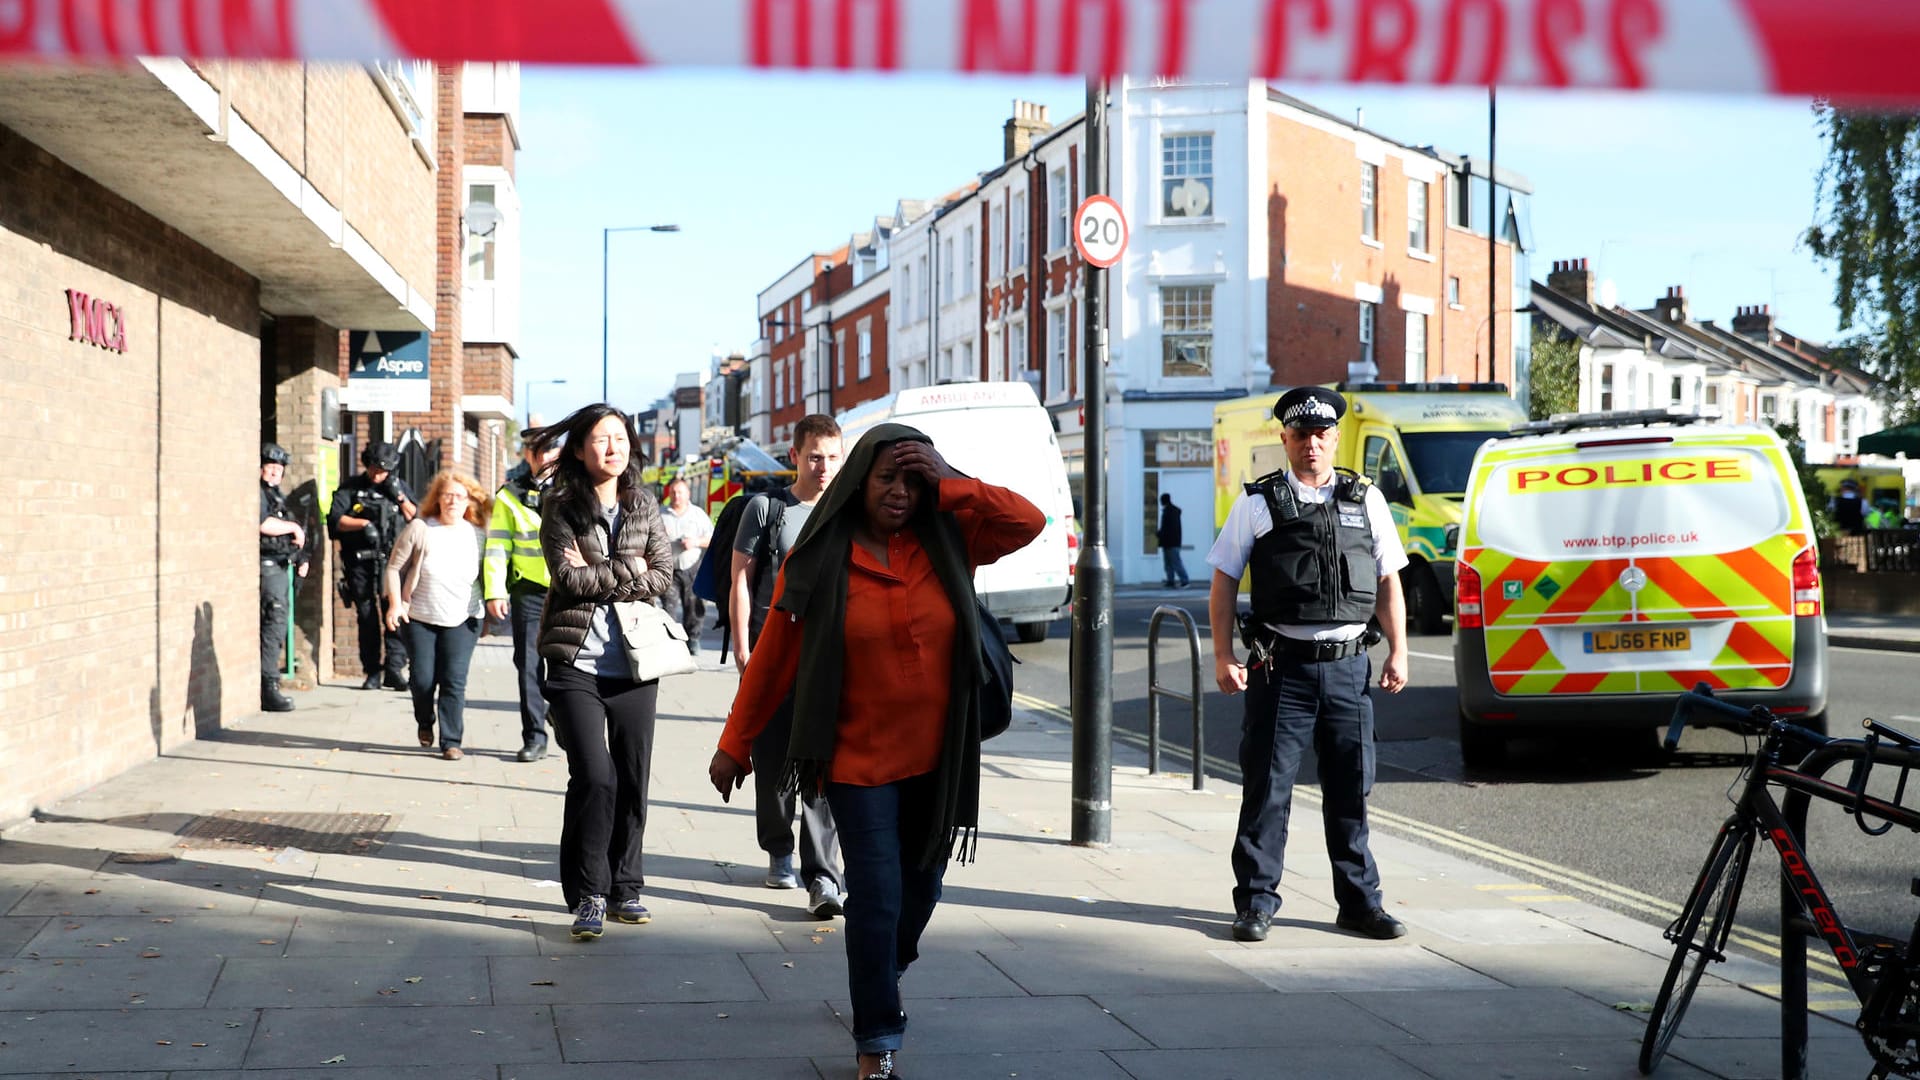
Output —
(1747, 719)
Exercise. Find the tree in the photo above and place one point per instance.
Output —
(1554, 376)
(1869, 227)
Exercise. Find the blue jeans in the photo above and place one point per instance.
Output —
(437, 675)
(1290, 703)
(889, 899)
(1175, 571)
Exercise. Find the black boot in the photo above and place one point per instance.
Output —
(271, 699)
(371, 682)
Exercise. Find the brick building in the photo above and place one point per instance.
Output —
(823, 338)
(1274, 244)
(182, 246)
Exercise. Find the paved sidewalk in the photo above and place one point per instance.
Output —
(1898, 633)
(439, 951)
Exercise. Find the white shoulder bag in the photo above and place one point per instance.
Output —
(656, 644)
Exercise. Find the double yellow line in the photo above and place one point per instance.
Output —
(1587, 885)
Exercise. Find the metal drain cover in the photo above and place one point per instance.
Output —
(322, 834)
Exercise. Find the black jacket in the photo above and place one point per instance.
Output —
(1169, 534)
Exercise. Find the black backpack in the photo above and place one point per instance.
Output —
(713, 579)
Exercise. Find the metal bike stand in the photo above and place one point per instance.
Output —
(1155, 692)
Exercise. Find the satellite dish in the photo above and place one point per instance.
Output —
(483, 218)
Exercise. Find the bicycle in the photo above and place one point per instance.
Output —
(1884, 973)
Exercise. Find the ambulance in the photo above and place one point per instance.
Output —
(998, 432)
(1609, 561)
(1415, 440)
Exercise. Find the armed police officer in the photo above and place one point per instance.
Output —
(1325, 559)
(368, 512)
(283, 543)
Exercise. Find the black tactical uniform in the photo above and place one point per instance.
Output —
(363, 560)
(277, 555)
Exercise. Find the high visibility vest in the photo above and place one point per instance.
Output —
(513, 546)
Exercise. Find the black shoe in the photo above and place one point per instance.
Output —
(371, 682)
(1251, 926)
(271, 699)
(533, 751)
(393, 682)
(1374, 924)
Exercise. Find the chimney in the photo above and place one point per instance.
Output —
(1754, 322)
(1673, 306)
(1029, 121)
(1572, 279)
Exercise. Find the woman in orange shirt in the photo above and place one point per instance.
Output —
(882, 577)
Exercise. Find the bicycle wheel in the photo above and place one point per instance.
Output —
(1715, 896)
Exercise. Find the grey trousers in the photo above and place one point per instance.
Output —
(819, 847)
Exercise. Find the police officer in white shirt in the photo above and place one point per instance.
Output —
(1325, 559)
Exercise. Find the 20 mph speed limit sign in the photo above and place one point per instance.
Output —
(1100, 231)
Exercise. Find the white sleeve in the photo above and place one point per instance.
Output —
(1388, 553)
(1234, 546)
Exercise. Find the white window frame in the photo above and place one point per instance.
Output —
(866, 349)
(1017, 220)
(1603, 389)
(1453, 292)
(1057, 350)
(946, 271)
(996, 241)
(1059, 214)
(1016, 347)
(1416, 347)
(1368, 321)
(1185, 155)
(839, 359)
(1185, 296)
(1369, 202)
(1418, 198)
(967, 274)
(996, 352)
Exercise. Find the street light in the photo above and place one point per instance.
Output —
(531, 383)
(606, 236)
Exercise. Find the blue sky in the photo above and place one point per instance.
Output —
(759, 170)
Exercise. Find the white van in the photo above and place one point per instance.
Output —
(998, 432)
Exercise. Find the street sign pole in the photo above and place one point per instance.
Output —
(1092, 647)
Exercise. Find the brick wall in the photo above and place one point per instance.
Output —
(446, 352)
(877, 383)
(332, 123)
(129, 612)
(488, 142)
(1317, 256)
(306, 361)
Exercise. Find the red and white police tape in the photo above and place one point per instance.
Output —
(1851, 50)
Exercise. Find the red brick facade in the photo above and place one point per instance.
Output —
(1317, 255)
(850, 389)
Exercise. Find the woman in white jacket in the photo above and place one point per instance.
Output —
(433, 587)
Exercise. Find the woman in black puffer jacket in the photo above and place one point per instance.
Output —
(604, 542)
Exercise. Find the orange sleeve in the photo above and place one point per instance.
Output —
(771, 670)
(994, 520)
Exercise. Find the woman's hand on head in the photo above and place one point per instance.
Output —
(914, 456)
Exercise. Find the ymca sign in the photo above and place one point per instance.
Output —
(96, 322)
(387, 371)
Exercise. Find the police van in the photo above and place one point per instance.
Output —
(1609, 561)
(998, 432)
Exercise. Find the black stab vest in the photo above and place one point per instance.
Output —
(1316, 564)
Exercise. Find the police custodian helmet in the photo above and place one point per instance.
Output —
(1309, 407)
(274, 454)
(380, 455)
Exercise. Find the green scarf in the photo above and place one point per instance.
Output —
(816, 592)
